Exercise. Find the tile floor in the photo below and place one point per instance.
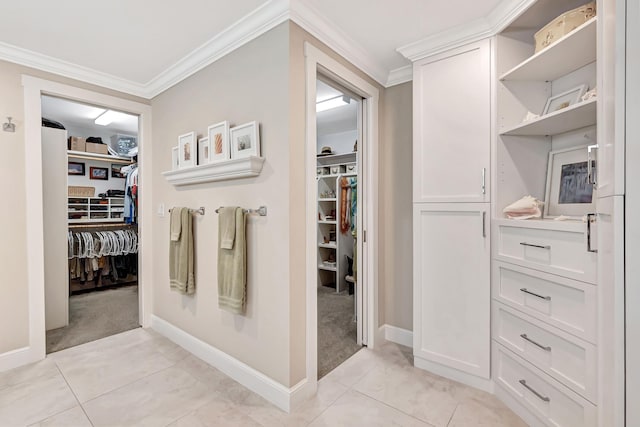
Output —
(139, 378)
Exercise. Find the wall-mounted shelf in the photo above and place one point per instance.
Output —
(99, 157)
(337, 158)
(222, 171)
(573, 51)
(574, 117)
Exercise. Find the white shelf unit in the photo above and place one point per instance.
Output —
(544, 298)
(100, 157)
(340, 245)
(95, 209)
(220, 171)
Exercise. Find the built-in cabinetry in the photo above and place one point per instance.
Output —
(95, 209)
(545, 289)
(333, 246)
(451, 212)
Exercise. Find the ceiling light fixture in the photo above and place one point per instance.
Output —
(328, 104)
(106, 118)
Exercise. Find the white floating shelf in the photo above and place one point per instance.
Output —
(222, 171)
(573, 51)
(95, 156)
(574, 117)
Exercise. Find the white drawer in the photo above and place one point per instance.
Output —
(568, 304)
(546, 398)
(566, 358)
(554, 247)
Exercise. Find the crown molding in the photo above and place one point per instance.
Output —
(400, 75)
(503, 14)
(52, 65)
(258, 22)
(307, 17)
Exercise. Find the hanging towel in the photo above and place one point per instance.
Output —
(232, 262)
(227, 227)
(181, 274)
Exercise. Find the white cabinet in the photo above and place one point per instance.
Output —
(452, 125)
(451, 287)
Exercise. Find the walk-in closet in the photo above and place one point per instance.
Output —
(337, 198)
(90, 222)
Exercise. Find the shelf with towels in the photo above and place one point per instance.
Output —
(212, 172)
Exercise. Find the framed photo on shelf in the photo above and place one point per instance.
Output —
(219, 142)
(76, 168)
(187, 150)
(204, 151)
(568, 189)
(116, 171)
(175, 164)
(98, 173)
(564, 100)
(245, 140)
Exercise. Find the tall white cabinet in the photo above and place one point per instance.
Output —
(451, 213)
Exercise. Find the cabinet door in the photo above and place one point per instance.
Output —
(451, 286)
(452, 126)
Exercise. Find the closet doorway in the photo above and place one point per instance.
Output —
(90, 198)
(339, 292)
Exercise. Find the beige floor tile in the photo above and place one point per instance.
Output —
(474, 414)
(127, 338)
(219, 412)
(74, 417)
(411, 391)
(32, 401)
(354, 368)
(43, 368)
(354, 409)
(96, 371)
(156, 400)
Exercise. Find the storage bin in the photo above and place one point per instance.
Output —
(351, 168)
(77, 143)
(563, 25)
(96, 148)
(79, 191)
(335, 170)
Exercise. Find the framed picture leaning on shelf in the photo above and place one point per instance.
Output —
(98, 173)
(245, 140)
(568, 189)
(219, 142)
(187, 150)
(76, 168)
(175, 158)
(204, 151)
(564, 100)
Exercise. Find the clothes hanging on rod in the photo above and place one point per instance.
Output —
(131, 193)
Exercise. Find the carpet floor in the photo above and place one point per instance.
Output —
(96, 315)
(337, 329)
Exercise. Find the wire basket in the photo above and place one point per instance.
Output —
(79, 191)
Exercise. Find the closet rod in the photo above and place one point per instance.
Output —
(194, 211)
(262, 210)
(84, 226)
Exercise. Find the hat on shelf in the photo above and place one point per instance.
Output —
(325, 151)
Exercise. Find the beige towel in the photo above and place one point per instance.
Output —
(227, 227)
(181, 274)
(232, 263)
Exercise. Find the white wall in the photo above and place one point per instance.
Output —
(340, 143)
(100, 185)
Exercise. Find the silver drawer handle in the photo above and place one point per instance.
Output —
(535, 246)
(526, 291)
(541, 397)
(546, 348)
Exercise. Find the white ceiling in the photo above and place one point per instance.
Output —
(145, 46)
(335, 120)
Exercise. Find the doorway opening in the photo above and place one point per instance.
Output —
(339, 293)
(90, 219)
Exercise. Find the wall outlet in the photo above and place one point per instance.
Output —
(161, 210)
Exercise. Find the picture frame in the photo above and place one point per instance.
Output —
(116, 171)
(175, 164)
(245, 140)
(204, 151)
(564, 99)
(76, 169)
(98, 173)
(218, 135)
(187, 150)
(568, 191)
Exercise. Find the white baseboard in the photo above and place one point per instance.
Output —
(19, 357)
(283, 397)
(398, 335)
(454, 374)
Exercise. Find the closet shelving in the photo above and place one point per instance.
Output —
(544, 300)
(99, 157)
(95, 209)
(220, 171)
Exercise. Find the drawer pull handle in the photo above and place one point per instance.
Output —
(546, 348)
(534, 294)
(538, 395)
(535, 246)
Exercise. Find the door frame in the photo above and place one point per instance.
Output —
(316, 62)
(34, 88)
